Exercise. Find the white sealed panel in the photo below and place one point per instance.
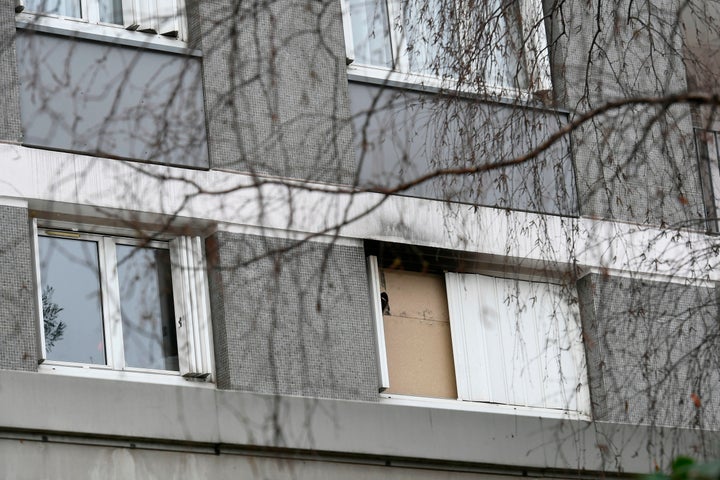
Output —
(516, 342)
(191, 307)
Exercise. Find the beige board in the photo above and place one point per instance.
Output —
(417, 335)
(416, 295)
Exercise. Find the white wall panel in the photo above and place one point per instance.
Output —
(515, 342)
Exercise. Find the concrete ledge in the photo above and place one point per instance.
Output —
(54, 404)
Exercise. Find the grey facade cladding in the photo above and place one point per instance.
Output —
(111, 100)
(401, 135)
(10, 123)
(276, 89)
(292, 320)
(651, 351)
(635, 163)
(18, 332)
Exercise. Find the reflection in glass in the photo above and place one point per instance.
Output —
(66, 8)
(146, 304)
(502, 62)
(371, 33)
(423, 26)
(53, 328)
(111, 11)
(71, 287)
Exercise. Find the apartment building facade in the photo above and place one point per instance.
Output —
(322, 239)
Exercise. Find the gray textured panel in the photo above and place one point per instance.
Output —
(276, 88)
(401, 135)
(294, 322)
(636, 163)
(652, 351)
(10, 125)
(18, 341)
(110, 100)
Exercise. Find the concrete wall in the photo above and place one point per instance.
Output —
(27, 460)
(652, 351)
(401, 135)
(110, 100)
(276, 88)
(210, 423)
(635, 163)
(18, 333)
(292, 321)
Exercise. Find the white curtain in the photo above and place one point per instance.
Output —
(111, 11)
(472, 40)
(371, 33)
(67, 8)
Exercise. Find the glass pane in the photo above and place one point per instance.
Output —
(146, 305)
(371, 34)
(71, 302)
(427, 29)
(111, 11)
(463, 39)
(502, 63)
(67, 8)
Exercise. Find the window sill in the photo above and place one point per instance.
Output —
(433, 84)
(103, 372)
(103, 33)
(450, 404)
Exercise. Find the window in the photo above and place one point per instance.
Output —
(453, 40)
(150, 16)
(125, 304)
(706, 143)
(478, 338)
(701, 58)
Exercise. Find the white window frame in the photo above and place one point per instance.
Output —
(146, 22)
(536, 47)
(373, 273)
(707, 141)
(461, 346)
(190, 296)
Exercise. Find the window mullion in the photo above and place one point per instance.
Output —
(112, 316)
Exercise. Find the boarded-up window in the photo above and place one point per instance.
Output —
(417, 335)
(479, 338)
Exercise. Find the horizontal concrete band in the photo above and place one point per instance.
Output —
(83, 186)
(55, 404)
